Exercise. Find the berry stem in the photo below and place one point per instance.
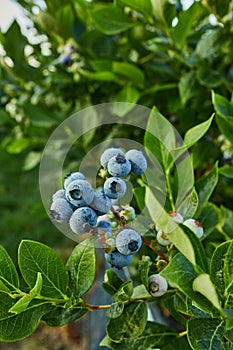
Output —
(157, 251)
(169, 188)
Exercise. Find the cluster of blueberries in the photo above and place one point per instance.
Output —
(96, 212)
(85, 209)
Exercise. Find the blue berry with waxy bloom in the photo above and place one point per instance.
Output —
(157, 285)
(114, 187)
(104, 226)
(194, 226)
(79, 193)
(101, 203)
(119, 166)
(61, 210)
(60, 194)
(65, 60)
(138, 161)
(118, 260)
(73, 176)
(128, 242)
(82, 220)
(108, 154)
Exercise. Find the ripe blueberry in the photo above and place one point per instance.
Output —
(82, 220)
(108, 154)
(65, 60)
(60, 194)
(114, 187)
(137, 160)
(104, 226)
(119, 166)
(128, 242)
(61, 210)
(73, 176)
(79, 193)
(101, 203)
(118, 260)
(157, 285)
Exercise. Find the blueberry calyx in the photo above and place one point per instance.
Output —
(154, 287)
(114, 187)
(120, 159)
(133, 245)
(76, 194)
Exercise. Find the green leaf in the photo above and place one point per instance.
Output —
(224, 118)
(219, 7)
(32, 159)
(99, 76)
(130, 324)
(186, 306)
(8, 273)
(22, 304)
(227, 171)
(189, 206)
(222, 106)
(181, 274)
(187, 87)
(203, 285)
(227, 219)
(115, 310)
(159, 137)
(36, 290)
(112, 282)
(209, 218)
(127, 94)
(208, 77)
(194, 134)
(59, 316)
(225, 125)
(140, 292)
(15, 42)
(206, 185)
(143, 271)
(18, 145)
(18, 326)
(40, 116)
(228, 268)
(180, 343)
(164, 11)
(129, 72)
(217, 265)
(65, 20)
(210, 42)
(111, 20)
(205, 334)
(185, 23)
(125, 291)
(81, 266)
(154, 335)
(36, 257)
(144, 6)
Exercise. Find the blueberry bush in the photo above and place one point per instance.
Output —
(176, 61)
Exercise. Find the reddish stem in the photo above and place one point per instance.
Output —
(157, 251)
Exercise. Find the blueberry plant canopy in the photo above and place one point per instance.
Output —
(176, 61)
